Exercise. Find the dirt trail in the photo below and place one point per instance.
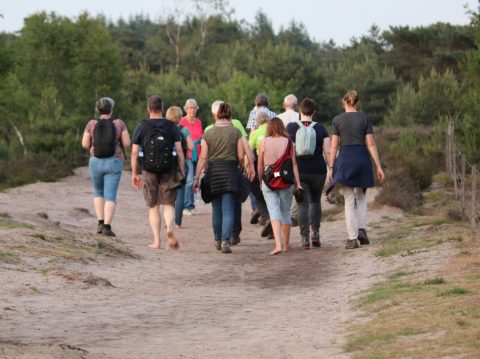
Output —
(191, 303)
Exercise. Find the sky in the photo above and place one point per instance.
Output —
(337, 20)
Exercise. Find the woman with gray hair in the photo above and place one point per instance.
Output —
(105, 137)
(194, 125)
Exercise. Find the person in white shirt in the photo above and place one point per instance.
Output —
(290, 104)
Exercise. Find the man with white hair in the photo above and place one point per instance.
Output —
(290, 104)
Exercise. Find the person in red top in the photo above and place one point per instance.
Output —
(195, 127)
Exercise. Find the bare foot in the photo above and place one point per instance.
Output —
(276, 251)
(173, 243)
(155, 245)
(286, 249)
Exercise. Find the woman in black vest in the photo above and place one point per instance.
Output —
(352, 169)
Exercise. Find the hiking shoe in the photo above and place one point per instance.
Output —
(316, 243)
(99, 228)
(188, 212)
(255, 216)
(226, 247)
(218, 245)
(362, 237)
(305, 243)
(107, 232)
(234, 239)
(352, 244)
(267, 229)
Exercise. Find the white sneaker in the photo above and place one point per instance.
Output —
(187, 212)
(193, 211)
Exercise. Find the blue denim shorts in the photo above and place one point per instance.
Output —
(279, 203)
(105, 174)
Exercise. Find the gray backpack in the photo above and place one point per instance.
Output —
(305, 139)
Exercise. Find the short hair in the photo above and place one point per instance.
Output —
(174, 114)
(224, 111)
(262, 117)
(191, 102)
(215, 106)
(276, 128)
(308, 106)
(104, 105)
(351, 98)
(155, 104)
(290, 100)
(261, 100)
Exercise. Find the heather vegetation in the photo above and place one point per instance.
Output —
(411, 80)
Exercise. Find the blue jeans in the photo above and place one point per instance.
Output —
(222, 216)
(189, 196)
(279, 203)
(237, 217)
(179, 203)
(105, 174)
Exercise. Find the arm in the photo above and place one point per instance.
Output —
(240, 151)
(249, 155)
(125, 139)
(180, 156)
(200, 165)
(295, 168)
(260, 154)
(136, 179)
(86, 140)
(372, 148)
(189, 143)
(333, 155)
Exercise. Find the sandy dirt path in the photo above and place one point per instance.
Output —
(191, 303)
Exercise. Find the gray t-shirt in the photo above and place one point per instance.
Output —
(352, 127)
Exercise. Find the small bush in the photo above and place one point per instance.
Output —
(43, 215)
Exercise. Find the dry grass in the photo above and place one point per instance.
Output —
(429, 318)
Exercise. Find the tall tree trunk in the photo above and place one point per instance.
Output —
(20, 138)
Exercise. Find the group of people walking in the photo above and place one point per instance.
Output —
(282, 157)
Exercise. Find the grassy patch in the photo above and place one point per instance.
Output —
(397, 275)
(7, 223)
(7, 256)
(43, 215)
(434, 281)
(453, 292)
(4, 215)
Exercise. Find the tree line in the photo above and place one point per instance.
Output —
(53, 70)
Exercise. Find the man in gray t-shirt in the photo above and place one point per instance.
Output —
(352, 127)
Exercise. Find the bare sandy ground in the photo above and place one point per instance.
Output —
(191, 303)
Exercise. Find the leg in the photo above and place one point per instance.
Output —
(96, 174)
(277, 234)
(99, 204)
(109, 211)
(169, 216)
(237, 222)
(304, 215)
(111, 181)
(361, 198)
(272, 198)
(217, 217)
(316, 188)
(350, 215)
(286, 236)
(155, 224)
(179, 204)
(286, 196)
(228, 204)
(189, 196)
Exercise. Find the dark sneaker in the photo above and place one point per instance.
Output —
(235, 239)
(255, 216)
(305, 243)
(294, 222)
(352, 244)
(99, 228)
(267, 229)
(262, 221)
(218, 245)
(362, 237)
(226, 247)
(316, 243)
(107, 232)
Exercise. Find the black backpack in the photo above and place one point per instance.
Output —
(157, 148)
(104, 138)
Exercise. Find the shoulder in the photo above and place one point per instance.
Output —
(90, 125)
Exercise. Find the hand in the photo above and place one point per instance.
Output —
(196, 185)
(380, 175)
(299, 186)
(251, 173)
(137, 181)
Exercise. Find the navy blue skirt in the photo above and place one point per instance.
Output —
(353, 168)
